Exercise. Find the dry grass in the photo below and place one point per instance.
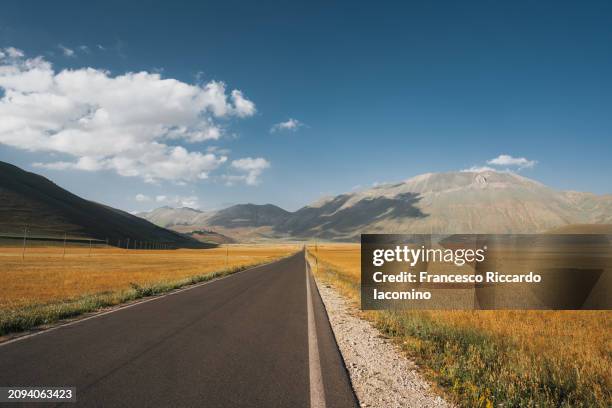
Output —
(518, 358)
(45, 279)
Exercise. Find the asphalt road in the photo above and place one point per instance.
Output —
(241, 341)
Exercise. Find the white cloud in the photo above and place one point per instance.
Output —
(124, 123)
(179, 201)
(252, 167)
(218, 150)
(84, 48)
(142, 198)
(507, 160)
(191, 202)
(14, 52)
(242, 106)
(68, 52)
(289, 125)
(478, 169)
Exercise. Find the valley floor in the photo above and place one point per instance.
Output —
(44, 285)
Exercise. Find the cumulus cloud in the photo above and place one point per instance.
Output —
(128, 123)
(289, 125)
(242, 106)
(179, 201)
(142, 198)
(13, 52)
(507, 160)
(251, 169)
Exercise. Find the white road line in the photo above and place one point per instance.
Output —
(135, 303)
(317, 392)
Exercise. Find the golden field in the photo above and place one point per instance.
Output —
(45, 285)
(486, 358)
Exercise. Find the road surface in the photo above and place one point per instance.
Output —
(247, 340)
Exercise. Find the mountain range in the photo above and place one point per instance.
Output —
(454, 202)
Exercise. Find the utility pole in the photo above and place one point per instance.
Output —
(317, 257)
(127, 246)
(25, 234)
(64, 254)
(89, 247)
(227, 258)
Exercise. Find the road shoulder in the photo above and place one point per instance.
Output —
(382, 376)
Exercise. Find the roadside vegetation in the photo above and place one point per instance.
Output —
(45, 285)
(492, 358)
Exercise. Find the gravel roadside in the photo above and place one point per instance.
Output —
(381, 375)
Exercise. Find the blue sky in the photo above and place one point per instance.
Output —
(378, 92)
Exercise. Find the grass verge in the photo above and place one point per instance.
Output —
(478, 368)
(35, 315)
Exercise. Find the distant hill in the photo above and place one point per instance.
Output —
(242, 222)
(168, 217)
(211, 237)
(249, 215)
(456, 202)
(28, 199)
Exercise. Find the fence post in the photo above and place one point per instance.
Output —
(89, 247)
(64, 254)
(317, 257)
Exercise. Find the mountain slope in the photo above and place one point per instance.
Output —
(28, 199)
(459, 202)
(249, 215)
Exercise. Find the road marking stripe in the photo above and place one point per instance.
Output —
(121, 307)
(317, 391)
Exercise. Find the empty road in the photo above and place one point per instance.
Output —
(253, 339)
